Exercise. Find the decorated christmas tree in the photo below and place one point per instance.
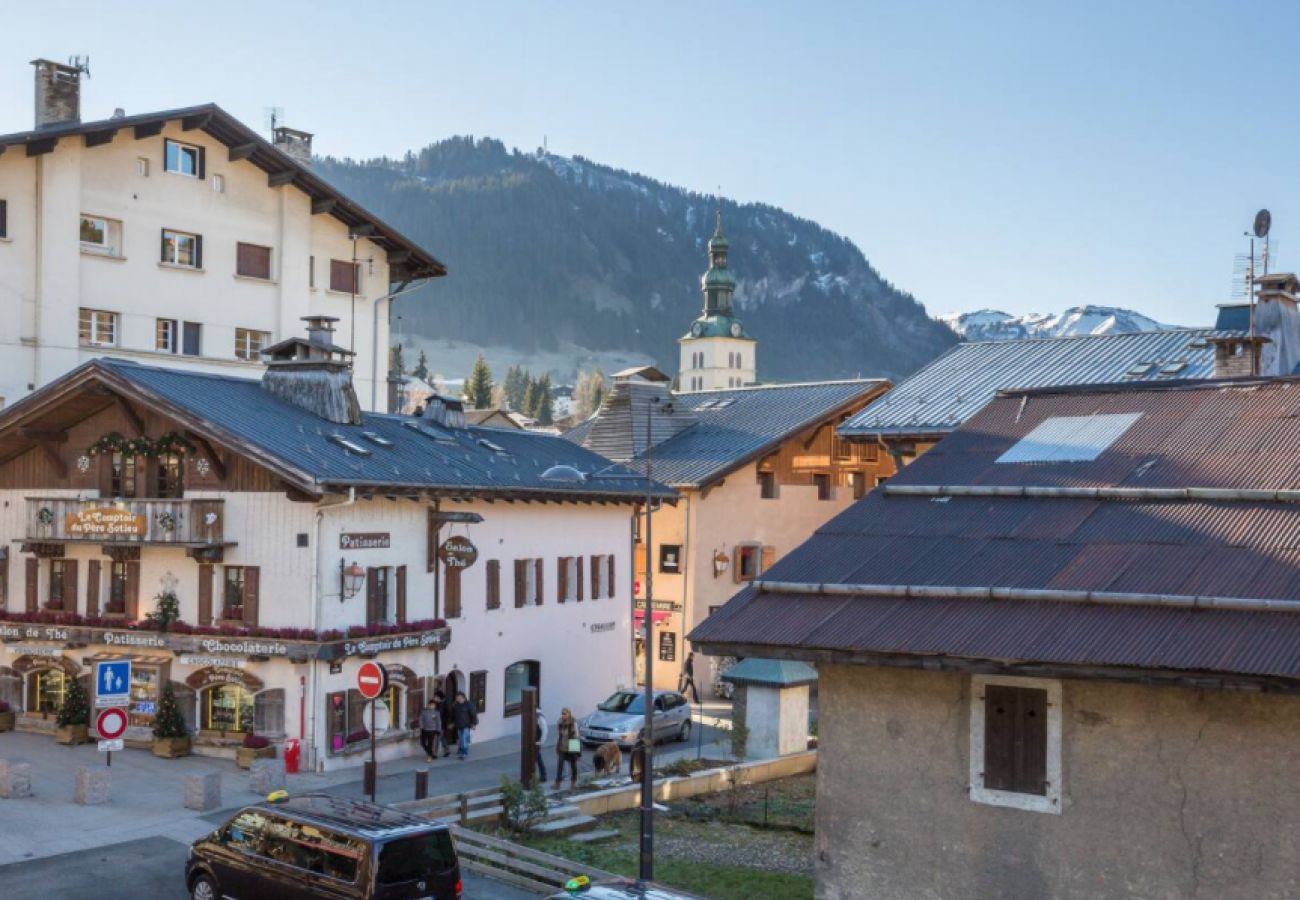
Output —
(168, 722)
(76, 706)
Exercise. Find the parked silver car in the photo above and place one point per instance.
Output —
(621, 719)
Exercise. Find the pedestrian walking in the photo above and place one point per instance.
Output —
(542, 731)
(431, 729)
(688, 678)
(465, 717)
(568, 748)
(448, 729)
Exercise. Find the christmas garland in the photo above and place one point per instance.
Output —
(165, 445)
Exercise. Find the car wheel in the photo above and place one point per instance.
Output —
(684, 734)
(203, 889)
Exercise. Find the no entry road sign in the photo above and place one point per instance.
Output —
(111, 723)
(372, 680)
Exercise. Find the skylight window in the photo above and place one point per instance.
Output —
(1173, 368)
(441, 437)
(1070, 438)
(377, 439)
(1139, 370)
(488, 445)
(350, 446)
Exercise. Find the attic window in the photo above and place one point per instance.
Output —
(1070, 438)
(376, 439)
(1173, 368)
(350, 446)
(1139, 370)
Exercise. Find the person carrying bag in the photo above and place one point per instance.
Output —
(568, 748)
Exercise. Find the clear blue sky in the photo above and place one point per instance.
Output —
(1025, 156)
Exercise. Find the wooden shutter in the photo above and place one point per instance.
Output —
(202, 162)
(343, 276)
(192, 339)
(198, 251)
(401, 594)
(92, 588)
(33, 582)
(1015, 739)
(205, 594)
(768, 558)
(452, 584)
(541, 583)
(735, 565)
(162, 248)
(252, 260)
(431, 542)
(595, 578)
(561, 578)
(494, 584)
(252, 589)
(609, 583)
(133, 591)
(579, 576)
(4, 218)
(70, 585)
(521, 582)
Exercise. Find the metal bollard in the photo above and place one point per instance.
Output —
(368, 779)
(421, 784)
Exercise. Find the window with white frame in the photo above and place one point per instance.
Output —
(100, 235)
(183, 159)
(142, 166)
(180, 248)
(249, 343)
(166, 336)
(1015, 742)
(97, 328)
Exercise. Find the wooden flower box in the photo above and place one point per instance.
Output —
(72, 734)
(244, 756)
(171, 748)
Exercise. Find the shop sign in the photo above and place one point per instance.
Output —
(218, 675)
(29, 650)
(134, 639)
(660, 605)
(209, 661)
(601, 627)
(458, 553)
(34, 632)
(247, 647)
(365, 540)
(104, 521)
(367, 646)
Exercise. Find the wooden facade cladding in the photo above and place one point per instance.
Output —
(820, 451)
(53, 465)
(176, 522)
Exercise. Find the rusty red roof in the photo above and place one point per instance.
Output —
(1125, 560)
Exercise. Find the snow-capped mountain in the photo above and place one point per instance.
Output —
(994, 325)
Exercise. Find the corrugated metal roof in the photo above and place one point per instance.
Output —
(962, 381)
(397, 451)
(1187, 435)
(725, 428)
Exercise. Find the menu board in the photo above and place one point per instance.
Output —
(668, 645)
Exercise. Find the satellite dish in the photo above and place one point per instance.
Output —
(1262, 222)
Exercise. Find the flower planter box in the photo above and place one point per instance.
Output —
(171, 748)
(72, 734)
(244, 756)
(7, 720)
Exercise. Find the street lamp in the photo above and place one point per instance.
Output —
(351, 578)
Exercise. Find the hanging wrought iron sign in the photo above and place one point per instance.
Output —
(458, 553)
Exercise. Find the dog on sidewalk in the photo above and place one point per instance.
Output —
(608, 759)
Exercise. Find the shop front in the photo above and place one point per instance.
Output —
(665, 629)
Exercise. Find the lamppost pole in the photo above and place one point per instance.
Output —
(647, 870)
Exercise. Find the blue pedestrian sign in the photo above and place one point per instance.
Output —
(113, 683)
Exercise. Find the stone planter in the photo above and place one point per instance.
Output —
(244, 756)
(72, 734)
(171, 748)
(7, 721)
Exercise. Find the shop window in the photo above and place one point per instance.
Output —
(117, 589)
(11, 690)
(767, 485)
(1015, 744)
(346, 713)
(228, 707)
(170, 469)
(145, 681)
(376, 595)
(478, 691)
(57, 585)
(670, 558)
(46, 689)
(268, 712)
(526, 673)
(824, 489)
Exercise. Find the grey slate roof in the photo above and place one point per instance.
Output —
(732, 427)
(952, 388)
(426, 457)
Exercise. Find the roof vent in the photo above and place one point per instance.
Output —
(314, 373)
(449, 412)
(351, 447)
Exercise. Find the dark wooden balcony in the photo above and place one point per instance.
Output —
(177, 523)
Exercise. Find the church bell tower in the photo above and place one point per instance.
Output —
(717, 353)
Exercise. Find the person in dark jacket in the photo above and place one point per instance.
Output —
(688, 678)
(465, 717)
(431, 730)
(542, 730)
(566, 739)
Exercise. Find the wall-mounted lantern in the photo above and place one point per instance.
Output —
(351, 578)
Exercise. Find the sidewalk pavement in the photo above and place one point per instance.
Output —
(147, 792)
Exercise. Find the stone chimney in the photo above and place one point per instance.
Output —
(58, 92)
(1277, 318)
(294, 144)
(314, 373)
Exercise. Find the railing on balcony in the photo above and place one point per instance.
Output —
(180, 522)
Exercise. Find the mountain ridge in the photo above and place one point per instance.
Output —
(547, 252)
(995, 325)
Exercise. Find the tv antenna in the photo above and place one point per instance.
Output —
(80, 63)
(274, 117)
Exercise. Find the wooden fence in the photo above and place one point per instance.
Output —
(520, 866)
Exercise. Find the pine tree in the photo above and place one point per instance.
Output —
(545, 409)
(516, 389)
(478, 387)
(532, 399)
(76, 706)
(168, 721)
(421, 370)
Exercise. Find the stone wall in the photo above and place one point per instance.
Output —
(1166, 793)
